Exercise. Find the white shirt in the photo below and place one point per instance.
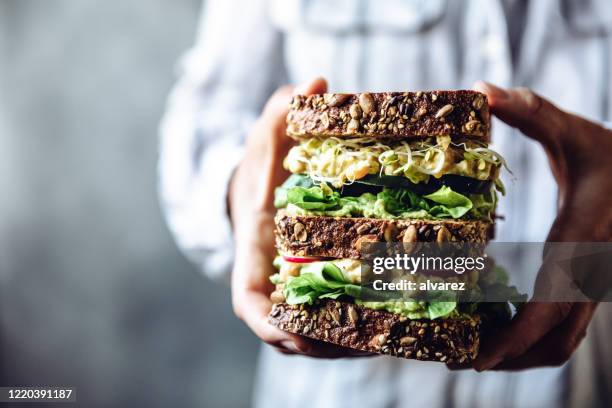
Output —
(245, 49)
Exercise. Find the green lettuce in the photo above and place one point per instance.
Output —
(497, 286)
(325, 280)
(295, 180)
(319, 280)
(483, 205)
(441, 309)
(449, 203)
(389, 203)
(313, 198)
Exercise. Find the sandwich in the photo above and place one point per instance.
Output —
(393, 167)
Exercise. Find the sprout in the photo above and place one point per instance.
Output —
(329, 159)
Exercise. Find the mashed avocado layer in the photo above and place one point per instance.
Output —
(300, 196)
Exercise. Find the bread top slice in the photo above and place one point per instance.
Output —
(391, 115)
(335, 237)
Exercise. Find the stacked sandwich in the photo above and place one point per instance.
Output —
(405, 167)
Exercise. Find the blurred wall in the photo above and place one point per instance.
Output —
(93, 292)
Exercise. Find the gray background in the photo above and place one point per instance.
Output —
(93, 292)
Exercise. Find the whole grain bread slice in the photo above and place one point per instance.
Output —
(335, 237)
(451, 341)
(400, 115)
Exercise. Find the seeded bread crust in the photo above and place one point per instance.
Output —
(331, 237)
(391, 115)
(452, 341)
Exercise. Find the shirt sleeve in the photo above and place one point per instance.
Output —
(224, 80)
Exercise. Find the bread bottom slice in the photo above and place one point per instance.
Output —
(451, 341)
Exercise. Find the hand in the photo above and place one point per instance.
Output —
(252, 213)
(545, 334)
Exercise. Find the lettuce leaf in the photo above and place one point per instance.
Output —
(440, 309)
(483, 205)
(501, 275)
(388, 204)
(325, 280)
(450, 203)
(313, 198)
(295, 180)
(319, 280)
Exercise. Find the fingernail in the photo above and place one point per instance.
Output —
(289, 345)
(493, 90)
(487, 365)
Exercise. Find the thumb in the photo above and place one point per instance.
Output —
(533, 115)
(315, 86)
(278, 104)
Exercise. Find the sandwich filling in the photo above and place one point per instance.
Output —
(431, 178)
(340, 279)
(339, 161)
